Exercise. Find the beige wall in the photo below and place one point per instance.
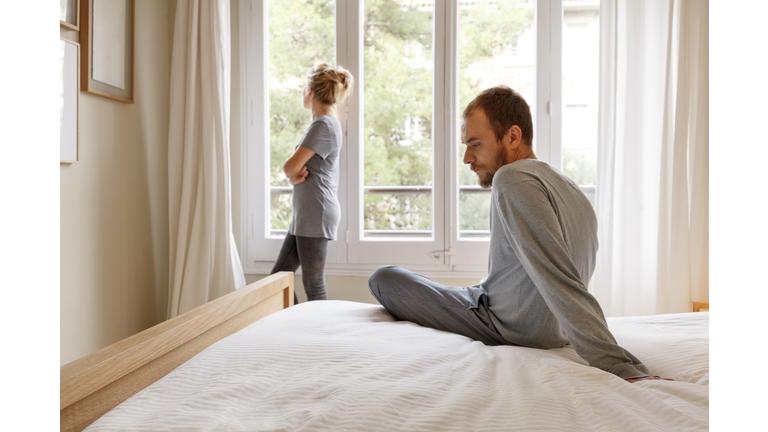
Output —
(114, 203)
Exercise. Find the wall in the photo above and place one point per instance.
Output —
(114, 203)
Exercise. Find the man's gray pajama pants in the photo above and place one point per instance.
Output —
(412, 297)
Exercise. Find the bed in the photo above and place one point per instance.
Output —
(346, 366)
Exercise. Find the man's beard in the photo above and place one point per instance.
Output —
(486, 178)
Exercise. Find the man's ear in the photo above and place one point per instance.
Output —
(515, 136)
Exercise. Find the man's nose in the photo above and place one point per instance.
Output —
(467, 157)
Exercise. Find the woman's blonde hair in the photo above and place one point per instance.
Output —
(330, 85)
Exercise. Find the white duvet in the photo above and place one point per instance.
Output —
(343, 366)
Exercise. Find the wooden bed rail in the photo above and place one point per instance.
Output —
(96, 383)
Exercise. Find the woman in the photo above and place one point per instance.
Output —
(314, 171)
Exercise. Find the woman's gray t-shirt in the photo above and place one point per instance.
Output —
(316, 208)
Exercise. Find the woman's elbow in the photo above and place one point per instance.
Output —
(288, 169)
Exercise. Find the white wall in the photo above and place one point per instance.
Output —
(114, 203)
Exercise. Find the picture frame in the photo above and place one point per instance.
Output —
(107, 41)
(69, 12)
(69, 101)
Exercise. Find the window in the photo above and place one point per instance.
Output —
(299, 33)
(491, 52)
(581, 61)
(398, 94)
(406, 196)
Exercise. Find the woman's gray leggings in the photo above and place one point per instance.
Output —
(310, 254)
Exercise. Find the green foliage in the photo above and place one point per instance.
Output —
(300, 33)
(475, 211)
(486, 31)
(398, 67)
(398, 212)
(397, 111)
(280, 213)
(484, 35)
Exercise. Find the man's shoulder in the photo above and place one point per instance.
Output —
(518, 172)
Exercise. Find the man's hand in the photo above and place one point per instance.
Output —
(652, 377)
(300, 176)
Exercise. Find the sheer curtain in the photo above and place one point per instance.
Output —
(204, 263)
(653, 157)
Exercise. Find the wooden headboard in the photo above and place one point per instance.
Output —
(98, 382)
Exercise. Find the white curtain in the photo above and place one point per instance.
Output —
(653, 157)
(204, 263)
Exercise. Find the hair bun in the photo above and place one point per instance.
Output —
(330, 85)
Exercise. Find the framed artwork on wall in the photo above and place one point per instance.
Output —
(69, 100)
(70, 14)
(106, 36)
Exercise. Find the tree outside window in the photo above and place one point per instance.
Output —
(495, 47)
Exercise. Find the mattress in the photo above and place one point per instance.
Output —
(345, 366)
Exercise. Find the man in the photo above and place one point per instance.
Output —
(542, 252)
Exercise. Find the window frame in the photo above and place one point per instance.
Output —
(445, 253)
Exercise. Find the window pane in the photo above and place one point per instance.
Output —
(474, 211)
(280, 212)
(300, 33)
(397, 114)
(496, 46)
(581, 51)
(396, 212)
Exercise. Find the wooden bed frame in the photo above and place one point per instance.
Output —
(98, 382)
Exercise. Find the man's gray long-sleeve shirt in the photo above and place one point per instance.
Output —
(542, 255)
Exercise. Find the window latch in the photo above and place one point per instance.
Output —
(440, 254)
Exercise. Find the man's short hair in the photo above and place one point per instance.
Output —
(504, 108)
